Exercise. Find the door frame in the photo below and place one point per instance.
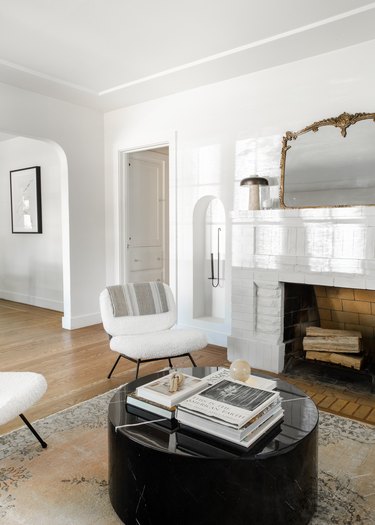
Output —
(123, 163)
(151, 157)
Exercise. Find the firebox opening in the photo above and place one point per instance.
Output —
(327, 307)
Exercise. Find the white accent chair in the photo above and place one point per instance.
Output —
(145, 338)
(18, 392)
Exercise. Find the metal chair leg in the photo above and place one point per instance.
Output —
(192, 360)
(28, 424)
(170, 362)
(136, 372)
(114, 366)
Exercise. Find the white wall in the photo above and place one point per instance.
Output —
(31, 269)
(78, 132)
(227, 131)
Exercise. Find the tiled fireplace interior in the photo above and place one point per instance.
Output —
(327, 307)
(333, 250)
(347, 309)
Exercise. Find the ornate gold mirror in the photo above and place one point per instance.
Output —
(326, 164)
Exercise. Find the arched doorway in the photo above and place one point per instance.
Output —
(34, 269)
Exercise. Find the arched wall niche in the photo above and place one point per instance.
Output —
(209, 239)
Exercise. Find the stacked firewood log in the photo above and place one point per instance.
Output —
(341, 347)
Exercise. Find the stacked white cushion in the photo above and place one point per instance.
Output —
(18, 392)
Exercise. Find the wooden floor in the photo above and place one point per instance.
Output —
(76, 363)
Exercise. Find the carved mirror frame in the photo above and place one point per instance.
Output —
(343, 121)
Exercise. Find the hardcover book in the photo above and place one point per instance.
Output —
(267, 427)
(203, 444)
(149, 406)
(222, 430)
(154, 419)
(230, 403)
(256, 381)
(158, 390)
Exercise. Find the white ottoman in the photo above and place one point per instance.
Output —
(18, 392)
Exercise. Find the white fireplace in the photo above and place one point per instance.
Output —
(321, 246)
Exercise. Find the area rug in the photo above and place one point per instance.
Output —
(67, 482)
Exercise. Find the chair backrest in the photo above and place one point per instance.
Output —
(136, 323)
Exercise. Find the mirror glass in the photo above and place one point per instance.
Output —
(321, 167)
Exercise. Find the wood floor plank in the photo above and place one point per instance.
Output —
(349, 409)
(362, 412)
(339, 405)
(371, 417)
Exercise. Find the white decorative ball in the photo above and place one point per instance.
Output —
(240, 370)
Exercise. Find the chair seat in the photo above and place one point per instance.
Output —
(18, 392)
(167, 343)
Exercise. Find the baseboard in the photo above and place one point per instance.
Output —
(80, 321)
(41, 302)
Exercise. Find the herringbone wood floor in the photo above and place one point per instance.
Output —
(76, 363)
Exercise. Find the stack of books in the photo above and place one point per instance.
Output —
(233, 411)
(201, 444)
(155, 398)
(215, 406)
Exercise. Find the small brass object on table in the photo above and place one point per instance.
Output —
(175, 381)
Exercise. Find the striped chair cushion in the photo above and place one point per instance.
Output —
(138, 299)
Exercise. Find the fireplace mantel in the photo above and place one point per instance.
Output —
(322, 246)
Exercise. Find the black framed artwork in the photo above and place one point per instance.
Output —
(26, 200)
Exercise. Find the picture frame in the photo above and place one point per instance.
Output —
(26, 200)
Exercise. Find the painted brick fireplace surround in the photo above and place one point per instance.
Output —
(328, 247)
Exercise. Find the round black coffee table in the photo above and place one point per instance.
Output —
(162, 474)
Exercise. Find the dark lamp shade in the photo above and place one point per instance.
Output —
(255, 180)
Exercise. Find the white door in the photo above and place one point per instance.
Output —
(147, 217)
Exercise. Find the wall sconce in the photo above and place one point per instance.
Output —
(258, 192)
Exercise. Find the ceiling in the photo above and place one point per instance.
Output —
(112, 53)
